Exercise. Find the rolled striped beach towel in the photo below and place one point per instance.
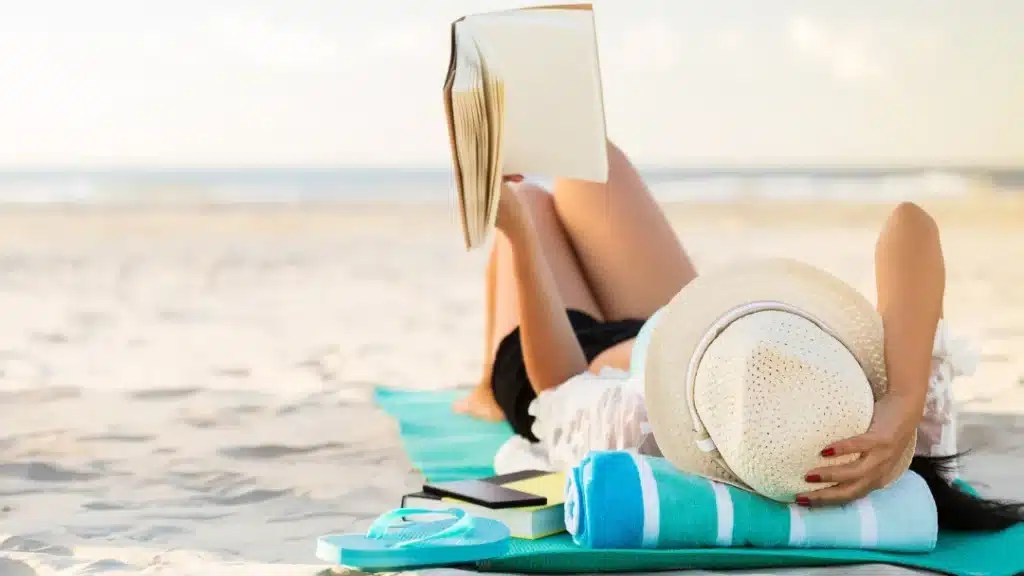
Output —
(624, 500)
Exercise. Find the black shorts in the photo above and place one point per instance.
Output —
(511, 385)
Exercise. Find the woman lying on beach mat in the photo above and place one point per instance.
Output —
(771, 375)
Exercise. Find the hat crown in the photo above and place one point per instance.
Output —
(775, 388)
(694, 440)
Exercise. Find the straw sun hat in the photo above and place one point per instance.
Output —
(752, 370)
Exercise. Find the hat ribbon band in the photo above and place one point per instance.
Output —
(706, 444)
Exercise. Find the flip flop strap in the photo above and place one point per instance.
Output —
(382, 525)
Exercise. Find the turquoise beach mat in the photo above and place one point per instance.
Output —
(447, 446)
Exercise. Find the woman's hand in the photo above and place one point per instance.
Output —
(881, 447)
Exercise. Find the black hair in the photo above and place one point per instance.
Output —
(957, 508)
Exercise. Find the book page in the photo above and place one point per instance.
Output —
(554, 123)
(494, 104)
(471, 141)
(449, 112)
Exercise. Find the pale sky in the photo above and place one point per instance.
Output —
(341, 82)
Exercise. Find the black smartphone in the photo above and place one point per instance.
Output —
(485, 494)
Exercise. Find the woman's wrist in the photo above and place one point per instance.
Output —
(911, 406)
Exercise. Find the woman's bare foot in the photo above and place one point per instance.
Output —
(480, 404)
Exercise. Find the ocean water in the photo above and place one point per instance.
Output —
(289, 186)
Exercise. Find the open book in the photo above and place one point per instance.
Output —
(522, 96)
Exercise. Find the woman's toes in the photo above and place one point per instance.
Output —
(478, 405)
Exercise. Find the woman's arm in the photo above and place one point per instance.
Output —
(910, 275)
(551, 352)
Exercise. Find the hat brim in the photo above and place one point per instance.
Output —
(696, 309)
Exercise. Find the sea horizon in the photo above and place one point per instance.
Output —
(433, 184)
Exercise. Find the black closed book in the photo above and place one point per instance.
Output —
(499, 480)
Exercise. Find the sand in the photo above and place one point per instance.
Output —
(186, 391)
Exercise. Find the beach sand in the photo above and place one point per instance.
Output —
(186, 391)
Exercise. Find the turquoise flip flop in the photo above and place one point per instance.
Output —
(386, 546)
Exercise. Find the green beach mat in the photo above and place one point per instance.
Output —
(446, 446)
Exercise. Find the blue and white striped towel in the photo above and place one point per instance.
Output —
(625, 500)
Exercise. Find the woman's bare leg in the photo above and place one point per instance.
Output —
(548, 281)
(480, 403)
(560, 259)
(632, 257)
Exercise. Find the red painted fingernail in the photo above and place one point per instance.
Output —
(828, 452)
(813, 478)
(803, 501)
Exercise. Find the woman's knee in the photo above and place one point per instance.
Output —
(623, 188)
(616, 157)
(538, 201)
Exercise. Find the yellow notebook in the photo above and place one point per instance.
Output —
(550, 486)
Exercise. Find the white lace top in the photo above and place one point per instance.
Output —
(606, 411)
